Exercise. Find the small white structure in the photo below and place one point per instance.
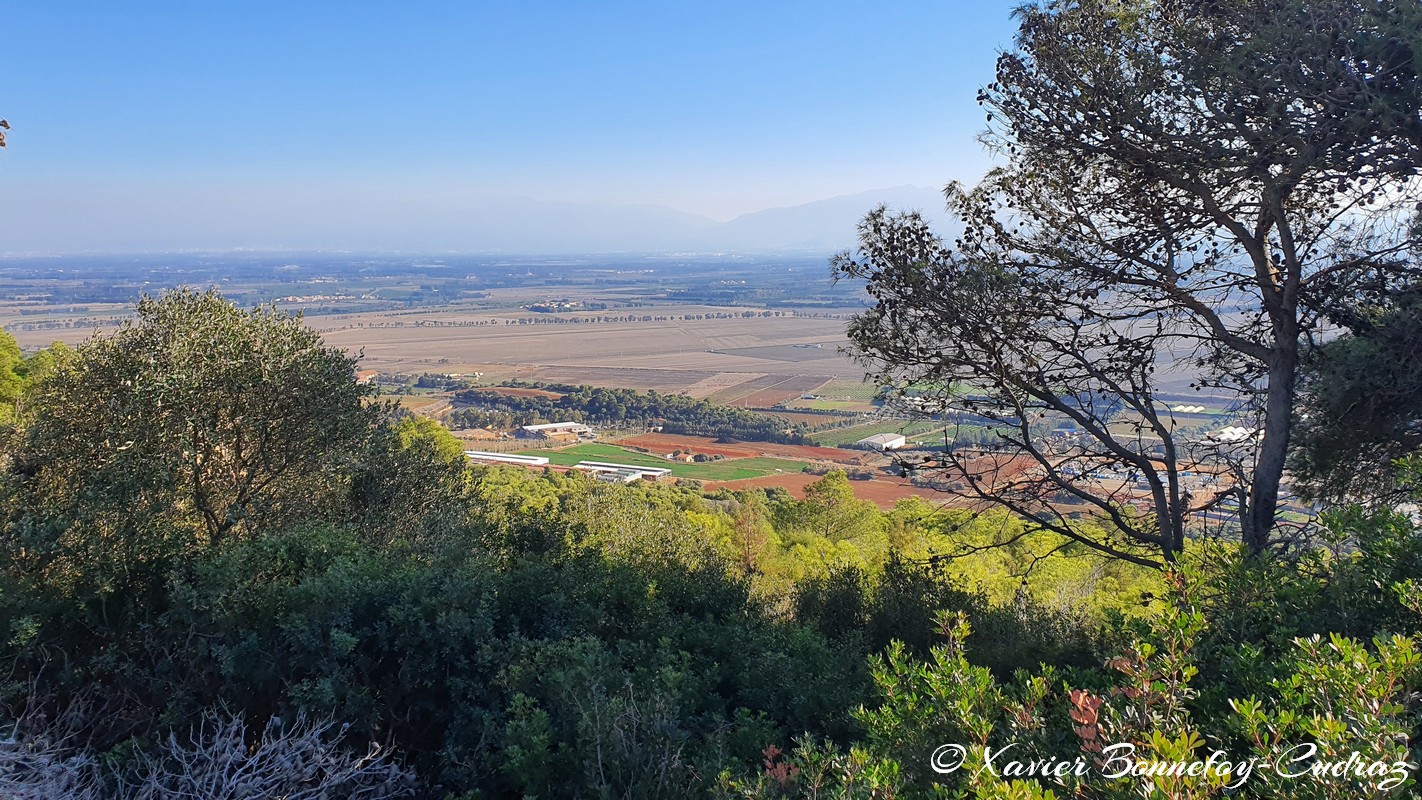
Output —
(506, 458)
(554, 428)
(884, 441)
(618, 476)
(1235, 433)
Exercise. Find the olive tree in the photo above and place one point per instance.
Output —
(198, 414)
(1187, 191)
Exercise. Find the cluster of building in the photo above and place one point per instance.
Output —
(565, 432)
(621, 473)
(605, 471)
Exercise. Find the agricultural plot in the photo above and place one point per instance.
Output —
(933, 438)
(962, 432)
(727, 470)
(660, 349)
(637, 342)
(809, 419)
(848, 389)
(667, 442)
(720, 382)
(418, 403)
(738, 469)
(34, 325)
(843, 436)
(661, 380)
(784, 352)
(734, 395)
(769, 390)
(568, 456)
(823, 404)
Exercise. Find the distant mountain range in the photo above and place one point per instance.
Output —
(530, 226)
(824, 224)
(321, 219)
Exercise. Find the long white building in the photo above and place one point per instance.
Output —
(506, 458)
(650, 473)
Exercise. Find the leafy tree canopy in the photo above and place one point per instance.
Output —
(1363, 405)
(197, 413)
(12, 378)
(1191, 192)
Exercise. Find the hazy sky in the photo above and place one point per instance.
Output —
(243, 122)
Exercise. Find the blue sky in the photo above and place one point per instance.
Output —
(127, 113)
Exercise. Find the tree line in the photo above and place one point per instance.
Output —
(674, 413)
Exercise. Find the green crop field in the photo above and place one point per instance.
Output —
(736, 468)
(731, 469)
(842, 436)
(568, 456)
(933, 437)
(821, 404)
(844, 388)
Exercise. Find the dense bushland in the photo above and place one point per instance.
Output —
(201, 565)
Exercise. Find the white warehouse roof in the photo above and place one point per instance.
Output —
(884, 441)
(556, 426)
(506, 458)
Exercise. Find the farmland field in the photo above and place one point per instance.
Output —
(737, 469)
(807, 418)
(727, 470)
(667, 443)
(720, 382)
(843, 436)
(788, 389)
(782, 352)
(571, 455)
(851, 388)
(734, 393)
(662, 349)
(414, 402)
(768, 390)
(624, 335)
(822, 404)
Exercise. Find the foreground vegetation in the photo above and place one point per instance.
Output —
(224, 568)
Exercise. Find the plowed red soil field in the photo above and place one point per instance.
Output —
(766, 398)
(663, 443)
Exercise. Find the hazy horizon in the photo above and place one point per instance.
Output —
(171, 126)
(527, 227)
